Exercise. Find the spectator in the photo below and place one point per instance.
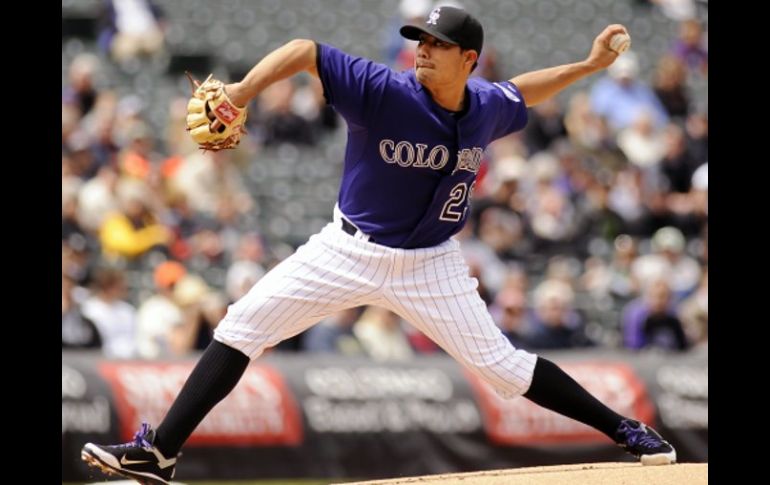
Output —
(334, 334)
(379, 331)
(694, 313)
(677, 164)
(509, 311)
(277, 120)
(194, 297)
(597, 223)
(668, 261)
(81, 92)
(131, 29)
(697, 127)
(135, 229)
(112, 315)
(246, 268)
(77, 331)
(669, 85)
(642, 143)
(556, 324)
(545, 125)
(159, 314)
(204, 178)
(652, 322)
(621, 97)
(690, 46)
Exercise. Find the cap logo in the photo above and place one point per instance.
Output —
(434, 15)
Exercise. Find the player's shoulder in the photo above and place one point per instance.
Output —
(479, 84)
(492, 91)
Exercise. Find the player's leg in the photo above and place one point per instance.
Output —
(433, 290)
(326, 275)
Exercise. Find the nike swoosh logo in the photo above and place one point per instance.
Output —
(124, 461)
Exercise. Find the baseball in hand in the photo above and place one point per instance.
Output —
(620, 43)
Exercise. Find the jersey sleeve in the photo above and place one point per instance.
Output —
(352, 85)
(512, 112)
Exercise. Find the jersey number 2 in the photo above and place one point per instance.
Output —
(457, 197)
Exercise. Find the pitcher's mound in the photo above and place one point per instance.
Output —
(593, 473)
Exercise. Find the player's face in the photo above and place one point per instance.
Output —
(438, 62)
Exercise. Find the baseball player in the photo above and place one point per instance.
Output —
(415, 142)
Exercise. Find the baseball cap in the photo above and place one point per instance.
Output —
(450, 24)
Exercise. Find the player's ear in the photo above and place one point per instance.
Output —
(470, 57)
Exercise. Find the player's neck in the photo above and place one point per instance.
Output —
(451, 98)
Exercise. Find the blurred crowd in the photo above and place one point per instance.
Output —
(588, 228)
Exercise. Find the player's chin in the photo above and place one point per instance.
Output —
(423, 74)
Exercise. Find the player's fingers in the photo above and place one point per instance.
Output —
(614, 29)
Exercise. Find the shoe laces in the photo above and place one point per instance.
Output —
(639, 436)
(140, 438)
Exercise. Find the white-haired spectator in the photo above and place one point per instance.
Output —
(668, 261)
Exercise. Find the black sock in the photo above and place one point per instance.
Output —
(214, 376)
(553, 389)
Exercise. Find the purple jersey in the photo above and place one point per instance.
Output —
(410, 165)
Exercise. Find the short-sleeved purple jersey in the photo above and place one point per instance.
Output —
(410, 165)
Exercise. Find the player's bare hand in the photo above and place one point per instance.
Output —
(601, 55)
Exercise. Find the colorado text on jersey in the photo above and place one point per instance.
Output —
(404, 154)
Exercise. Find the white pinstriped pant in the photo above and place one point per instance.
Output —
(429, 287)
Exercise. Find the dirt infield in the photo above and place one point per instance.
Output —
(593, 473)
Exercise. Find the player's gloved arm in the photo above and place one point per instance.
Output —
(289, 59)
(537, 86)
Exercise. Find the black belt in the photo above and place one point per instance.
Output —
(348, 227)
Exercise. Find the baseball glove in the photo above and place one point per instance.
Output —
(214, 122)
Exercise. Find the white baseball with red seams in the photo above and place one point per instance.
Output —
(620, 42)
(429, 287)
